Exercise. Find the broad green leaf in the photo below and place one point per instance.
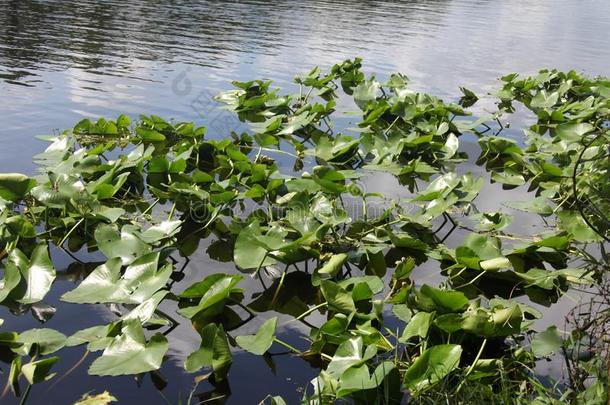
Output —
(262, 341)
(572, 222)
(547, 342)
(418, 326)
(146, 309)
(105, 284)
(96, 336)
(124, 244)
(38, 276)
(338, 298)
(251, 247)
(213, 289)
(12, 276)
(329, 269)
(573, 131)
(130, 353)
(47, 341)
(451, 146)
(160, 231)
(39, 370)
(358, 378)
(441, 300)
(214, 351)
(14, 186)
(349, 354)
(432, 366)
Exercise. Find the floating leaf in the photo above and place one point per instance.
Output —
(129, 353)
(213, 289)
(262, 341)
(214, 351)
(46, 341)
(105, 284)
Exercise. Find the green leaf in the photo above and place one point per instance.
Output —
(573, 131)
(432, 366)
(349, 354)
(338, 298)
(105, 284)
(495, 264)
(124, 244)
(418, 326)
(444, 300)
(214, 351)
(358, 379)
(97, 334)
(536, 205)
(262, 341)
(38, 276)
(47, 341)
(213, 289)
(547, 342)
(149, 135)
(251, 247)
(129, 353)
(161, 231)
(572, 222)
(12, 275)
(146, 309)
(14, 186)
(329, 269)
(39, 370)
(451, 146)
(543, 99)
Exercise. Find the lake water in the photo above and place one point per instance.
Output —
(61, 61)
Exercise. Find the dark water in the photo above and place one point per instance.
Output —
(61, 61)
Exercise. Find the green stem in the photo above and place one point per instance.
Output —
(25, 394)
(471, 367)
(310, 310)
(70, 232)
(277, 290)
(286, 345)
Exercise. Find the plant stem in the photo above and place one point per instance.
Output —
(70, 232)
(310, 310)
(25, 394)
(286, 345)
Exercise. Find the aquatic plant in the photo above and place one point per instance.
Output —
(145, 194)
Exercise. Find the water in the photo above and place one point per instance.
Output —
(61, 61)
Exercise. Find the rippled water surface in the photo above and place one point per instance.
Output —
(61, 61)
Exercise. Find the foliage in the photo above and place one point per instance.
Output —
(143, 193)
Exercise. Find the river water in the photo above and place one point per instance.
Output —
(63, 60)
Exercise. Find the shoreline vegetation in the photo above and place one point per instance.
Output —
(144, 194)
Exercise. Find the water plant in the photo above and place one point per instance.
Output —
(144, 196)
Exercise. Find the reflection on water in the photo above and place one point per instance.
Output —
(63, 60)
